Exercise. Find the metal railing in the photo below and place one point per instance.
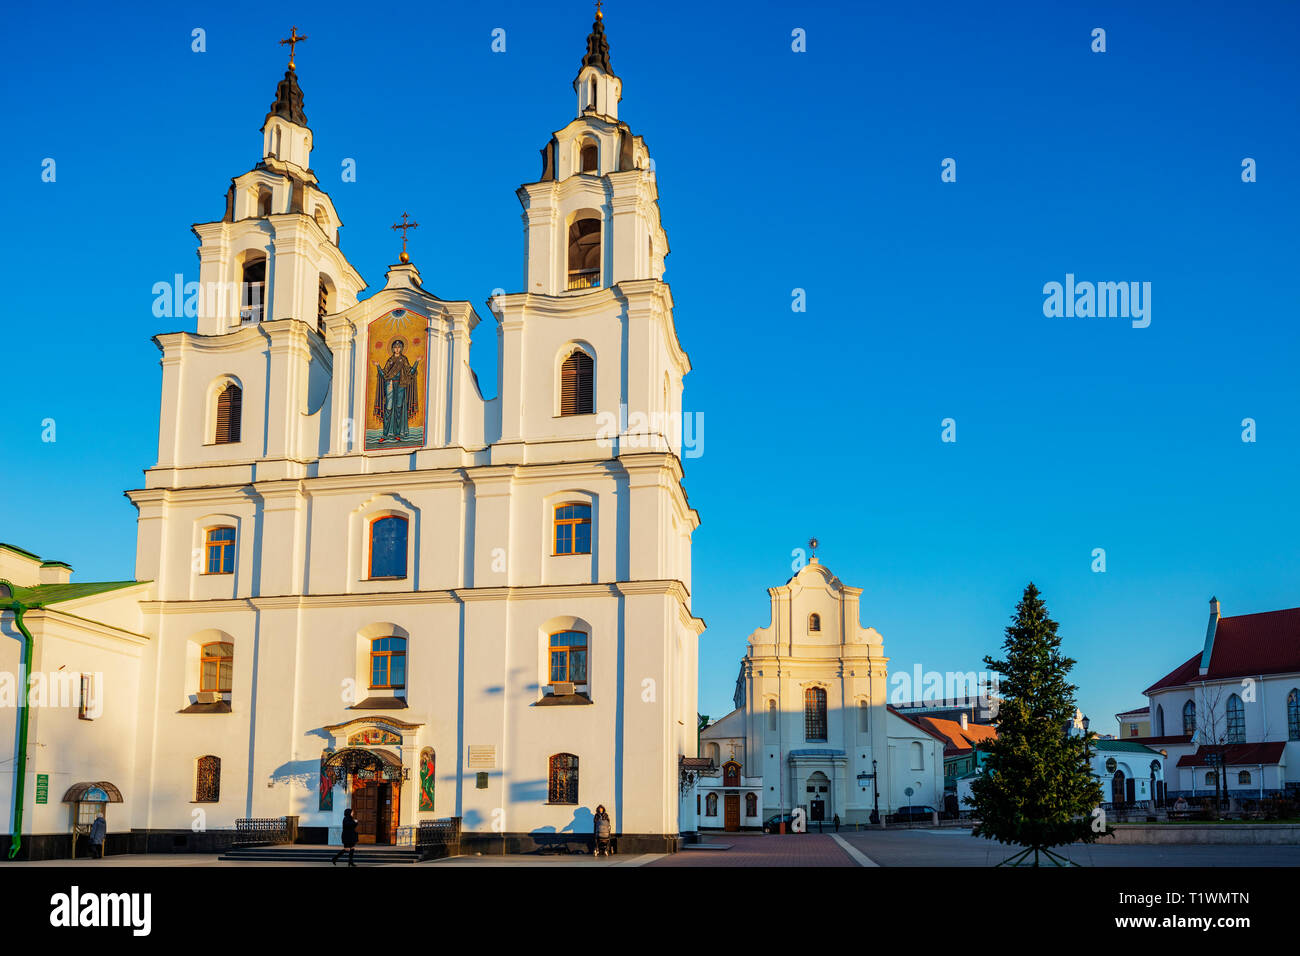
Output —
(260, 831)
(583, 279)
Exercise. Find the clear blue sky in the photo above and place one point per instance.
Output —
(777, 170)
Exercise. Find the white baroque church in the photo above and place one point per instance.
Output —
(358, 582)
(812, 731)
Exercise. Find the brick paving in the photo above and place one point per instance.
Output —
(791, 849)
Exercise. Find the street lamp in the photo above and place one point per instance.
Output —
(875, 790)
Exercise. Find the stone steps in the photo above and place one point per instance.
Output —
(368, 855)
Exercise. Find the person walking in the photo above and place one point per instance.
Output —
(837, 823)
(349, 838)
(98, 831)
(602, 831)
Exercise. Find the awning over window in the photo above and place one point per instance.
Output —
(100, 791)
(355, 760)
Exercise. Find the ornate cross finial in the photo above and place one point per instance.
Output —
(293, 40)
(599, 15)
(404, 225)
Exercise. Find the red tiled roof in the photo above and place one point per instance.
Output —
(933, 733)
(958, 741)
(1248, 644)
(1237, 755)
(1136, 712)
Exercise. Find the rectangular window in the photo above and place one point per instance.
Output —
(573, 529)
(221, 551)
(569, 657)
(388, 547)
(216, 667)
(388, 663)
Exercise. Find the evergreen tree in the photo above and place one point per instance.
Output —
(1037, 790)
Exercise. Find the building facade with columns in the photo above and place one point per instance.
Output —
(812, 729)
(371, 587)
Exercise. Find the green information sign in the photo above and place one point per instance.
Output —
(42, 788)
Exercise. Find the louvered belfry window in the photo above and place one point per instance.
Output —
(576, 385)
(229, 408)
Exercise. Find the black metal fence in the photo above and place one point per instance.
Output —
(263, 831)
(438, 838)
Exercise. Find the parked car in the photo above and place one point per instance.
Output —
(774, 824)
(913, 814)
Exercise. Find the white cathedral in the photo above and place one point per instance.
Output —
(359, 583)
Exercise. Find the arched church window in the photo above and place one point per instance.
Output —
(814, 713)
(322, 305)
(711, 805)
(590, 158)
(771, 715)
(253, 291)
(562, 781)
(1235, 730)
(263, 203)
(1160, 720)
(1189, 717)
(572, 529)
(577, 381)
(864, 716)
(1243, 778)
(1293, 714)
(230, 409)
(918, 755)
(219, 547)
(388, 663)
(216, 662)
(207, 780)
(751, 804)
(814, 622)
(388, 547)
(584, 254)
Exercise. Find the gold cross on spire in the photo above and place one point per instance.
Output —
(404, 225)
(294, 39)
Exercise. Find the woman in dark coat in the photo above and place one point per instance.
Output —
(601, 829)
(349, 838)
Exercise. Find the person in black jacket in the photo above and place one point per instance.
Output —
(349, 838)
(601, 830)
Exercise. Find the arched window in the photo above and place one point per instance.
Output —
(562, 785)
(814, 713)
(263, 203)
(278, 141)
(731, 774)
(1243, 778)
(572, 529)
(220, 548)
(584, 254)
(1160, 720)
(1235, 725)
(864, 716)
(577, 381)
(207, 780)
(388, 663)
(771, 715)
(1117, 787)
(751, 804)
(711, 805)
(1211, 777)
(590, 158)
(230, 414)
(253, 291)
(1189, 717)
(568, 657)
(814, 622)
(1293, 714)
(388, 547)
(216, 663)
(918, 755)
(322, 305)
(322, 217)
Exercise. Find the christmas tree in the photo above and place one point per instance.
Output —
(1037, 790)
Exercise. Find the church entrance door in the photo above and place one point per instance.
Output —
(731, 818)
(375, 804)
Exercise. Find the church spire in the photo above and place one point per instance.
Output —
(598, 44)
(288, 94)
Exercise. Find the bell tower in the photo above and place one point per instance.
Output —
(275, 254)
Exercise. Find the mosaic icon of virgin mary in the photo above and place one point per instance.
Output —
(396, 395)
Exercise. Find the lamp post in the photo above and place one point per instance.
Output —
(875, 790)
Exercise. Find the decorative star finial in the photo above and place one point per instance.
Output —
(812, 547)
(404, 225)
(293, 40)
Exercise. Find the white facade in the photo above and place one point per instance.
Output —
(482, 586)
(816, 650)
